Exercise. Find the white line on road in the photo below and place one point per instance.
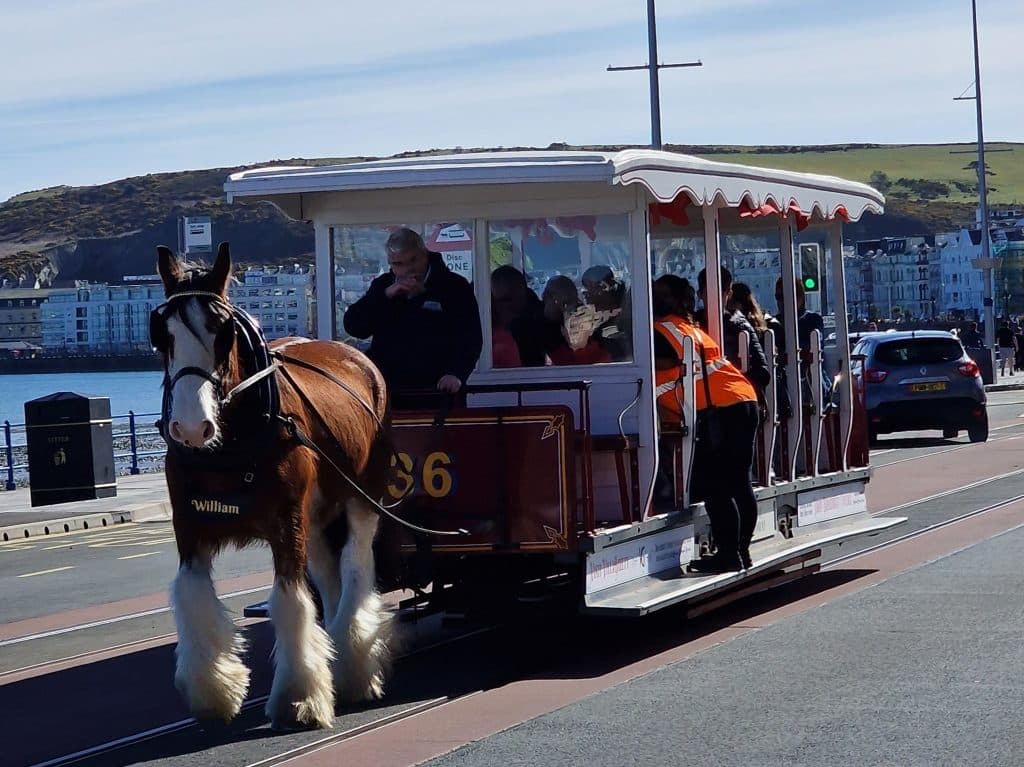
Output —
(47, 572)
(136, 556)
(117, 619)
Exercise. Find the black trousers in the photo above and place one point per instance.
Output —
(722, 478)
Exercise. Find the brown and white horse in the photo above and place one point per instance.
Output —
(237, 475)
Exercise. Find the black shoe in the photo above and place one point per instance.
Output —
(713, 565)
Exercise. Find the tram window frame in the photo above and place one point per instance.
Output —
(529, 230)
(377, 232)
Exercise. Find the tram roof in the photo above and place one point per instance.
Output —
(665, 175)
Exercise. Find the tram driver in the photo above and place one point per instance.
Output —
(423, 319)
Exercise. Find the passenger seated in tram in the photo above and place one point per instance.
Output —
(610, 299)
(727, 416)
(734, 324)
(517, 320)
(569, 326)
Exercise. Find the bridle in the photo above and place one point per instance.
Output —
(254, 350)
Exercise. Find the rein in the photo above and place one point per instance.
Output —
(268, 363)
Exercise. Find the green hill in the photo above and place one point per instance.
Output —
(105, 231)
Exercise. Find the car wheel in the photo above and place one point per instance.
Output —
(979, 432)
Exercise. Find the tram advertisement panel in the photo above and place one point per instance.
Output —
(503, 474)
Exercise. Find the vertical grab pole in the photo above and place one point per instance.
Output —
(795, 427)
(135, 447)
(771, 422)
(10, 455)
(817, 418)
(713, 272)
(689, 410)
(843, 379)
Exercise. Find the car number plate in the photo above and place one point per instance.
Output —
(936, 386)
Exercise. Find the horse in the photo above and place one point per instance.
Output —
(282, 443)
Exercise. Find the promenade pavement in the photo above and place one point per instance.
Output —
(140, 498)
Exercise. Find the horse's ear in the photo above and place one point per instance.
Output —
(168, 267)
(221, 273)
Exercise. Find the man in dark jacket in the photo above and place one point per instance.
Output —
(423, 318)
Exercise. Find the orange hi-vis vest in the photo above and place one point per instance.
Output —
(726, 382)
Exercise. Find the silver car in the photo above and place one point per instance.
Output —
(918, 380)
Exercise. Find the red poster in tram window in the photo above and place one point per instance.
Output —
(506, 475)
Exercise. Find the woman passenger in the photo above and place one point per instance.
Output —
(726, 424)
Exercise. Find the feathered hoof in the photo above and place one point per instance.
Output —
(218, 695)
(315, 712)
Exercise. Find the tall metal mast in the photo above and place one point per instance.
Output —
(653, 66)
(986, 245)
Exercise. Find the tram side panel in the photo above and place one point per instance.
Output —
(507, 476)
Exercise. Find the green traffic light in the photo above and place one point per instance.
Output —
(810, 284)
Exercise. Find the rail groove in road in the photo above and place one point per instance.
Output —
(169, 728)
(833, 563)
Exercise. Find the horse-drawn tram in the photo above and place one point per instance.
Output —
(555, 464)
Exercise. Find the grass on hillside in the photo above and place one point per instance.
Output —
(933, 163)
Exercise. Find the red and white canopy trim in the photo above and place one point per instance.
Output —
(668, 178)
(754, 191)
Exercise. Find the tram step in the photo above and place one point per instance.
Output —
(791, 556)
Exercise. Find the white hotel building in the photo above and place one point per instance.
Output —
(95, 318)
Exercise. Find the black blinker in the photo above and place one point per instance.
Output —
(158, 336)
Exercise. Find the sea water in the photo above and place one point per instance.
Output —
(137, 390)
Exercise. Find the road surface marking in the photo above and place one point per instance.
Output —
(47, 572)
(136, 556)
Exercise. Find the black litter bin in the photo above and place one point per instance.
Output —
(70, 448)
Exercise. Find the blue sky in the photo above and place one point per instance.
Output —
(96, 90)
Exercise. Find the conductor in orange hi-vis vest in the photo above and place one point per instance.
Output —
(727, 415)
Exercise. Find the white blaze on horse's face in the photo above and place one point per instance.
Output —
(194, 406)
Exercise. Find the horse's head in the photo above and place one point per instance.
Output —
(194, 332)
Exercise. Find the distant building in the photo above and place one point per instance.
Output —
(93, 318)
(902, 272)
(96, 318)
(20, 318)
(279, 298)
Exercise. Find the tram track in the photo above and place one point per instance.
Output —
(103, 750)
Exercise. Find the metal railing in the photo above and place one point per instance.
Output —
(131, 443)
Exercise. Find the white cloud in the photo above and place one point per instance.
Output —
(208, 85)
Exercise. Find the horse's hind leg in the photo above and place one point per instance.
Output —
(361, 627)
(210, 673)
(302, 694)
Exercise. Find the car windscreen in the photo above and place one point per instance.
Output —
(919, 351)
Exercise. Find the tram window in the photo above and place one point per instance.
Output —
(751, 258)
(359, 256)
(560, 291)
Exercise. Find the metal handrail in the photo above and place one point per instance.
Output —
(131, 455)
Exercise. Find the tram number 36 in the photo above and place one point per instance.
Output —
(434, 478)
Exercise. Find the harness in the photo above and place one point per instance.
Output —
(264, 363)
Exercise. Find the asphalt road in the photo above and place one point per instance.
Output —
(100, 639)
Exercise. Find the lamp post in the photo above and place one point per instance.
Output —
(652, 66)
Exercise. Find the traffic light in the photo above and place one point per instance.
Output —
(810, 266)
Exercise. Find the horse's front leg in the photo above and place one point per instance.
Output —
(302, 694)
(361, 627)
(210, 673)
